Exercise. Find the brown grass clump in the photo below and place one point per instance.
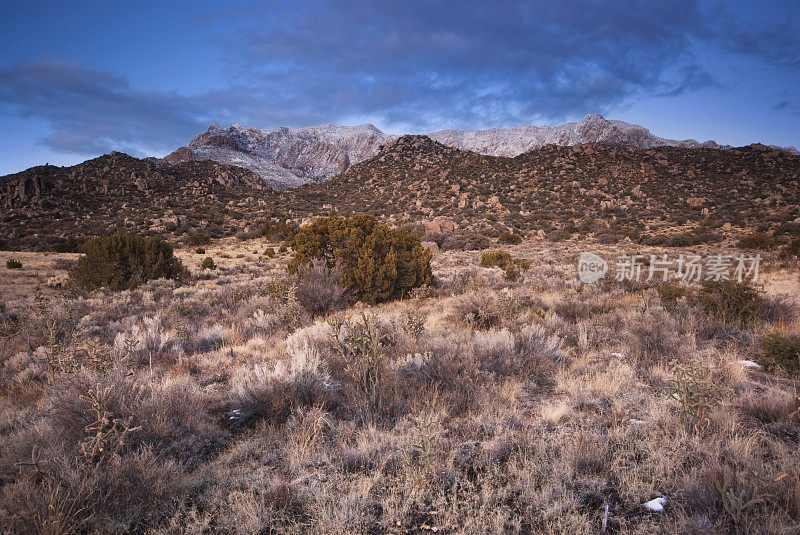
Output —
(317, 287)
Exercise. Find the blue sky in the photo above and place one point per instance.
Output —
(79, 79)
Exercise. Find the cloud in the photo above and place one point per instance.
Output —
(411, 66)
(692, 77)
(92, 111)
(433, 64)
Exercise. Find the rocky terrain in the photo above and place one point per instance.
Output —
(612, 192)
(45, 205)
(286, 158)
(608, 190)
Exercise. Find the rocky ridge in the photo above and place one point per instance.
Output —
(287, 158)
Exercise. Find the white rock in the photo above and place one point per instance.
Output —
(748, 364)
(634, 421)
(656, 504)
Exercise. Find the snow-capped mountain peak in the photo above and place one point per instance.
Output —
(288, 157)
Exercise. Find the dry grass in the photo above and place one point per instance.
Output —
(492, 406)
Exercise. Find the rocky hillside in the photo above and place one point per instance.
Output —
(672, 195)
(286, 158)
(608, 190)
(45, 205)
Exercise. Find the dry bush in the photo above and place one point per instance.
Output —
(111, 457)
(317, 287)
(479, 310)
(782, 352)
(737, 303)
(768, 407)
(273, 394)
(757, 240)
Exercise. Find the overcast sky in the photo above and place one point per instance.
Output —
(79, 79)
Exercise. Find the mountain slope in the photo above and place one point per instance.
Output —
(286, 158)
(597, 188)
(116, 192)
(611, 191)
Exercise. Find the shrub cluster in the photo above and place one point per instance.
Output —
(510, 238)
(731, 302)
(379, 263)
(757, 241)
(502, 259)
(123, 262)
(782, 351)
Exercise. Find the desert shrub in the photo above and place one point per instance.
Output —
(70, 244)
(197, 239)
(359, 346)
(200, 250)
(791, 250)
(510, 238)
(110, 456)
(768, 407)
(511, 266)
(533, 343)
(123, 262)
(269, 252)
(466, 242)
(756, 240)
(272, 395)
(12, 263)
(671, 292)
(379, 263)
(782, 352)
(479, 310)
(698, 392)
(731, 302)
(683, 239)
(278, 231)
(317, 287)
(208, 263)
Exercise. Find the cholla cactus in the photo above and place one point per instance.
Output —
(106, 433)
(359, 345)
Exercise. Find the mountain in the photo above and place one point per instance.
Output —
(667, 194)
(592, 129)
(43, 206)
(286, 157)
(614, 191)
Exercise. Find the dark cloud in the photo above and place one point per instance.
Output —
(693, 77)
(92, 111)
(410, 66)
(430, 64)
